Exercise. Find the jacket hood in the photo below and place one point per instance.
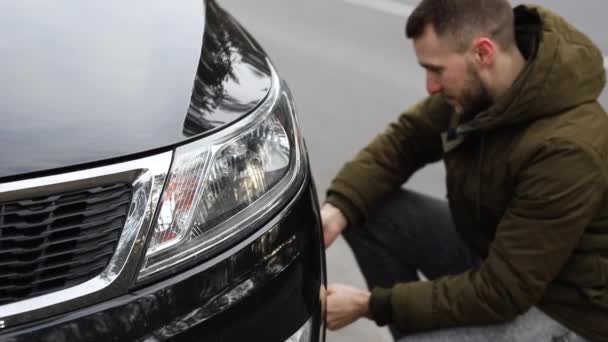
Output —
(564, 70)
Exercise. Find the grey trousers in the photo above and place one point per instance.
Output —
(412, 232)
(533, 326)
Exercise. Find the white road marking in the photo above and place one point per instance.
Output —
(385, 6)
(401, 10)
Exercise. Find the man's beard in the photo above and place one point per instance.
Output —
(476, 97)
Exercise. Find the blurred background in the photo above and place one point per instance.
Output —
(352, 71)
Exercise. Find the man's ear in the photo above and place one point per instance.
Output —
(484, 51)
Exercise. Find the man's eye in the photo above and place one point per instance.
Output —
(436, 72)
(433, 69)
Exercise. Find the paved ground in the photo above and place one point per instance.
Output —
(352, 71)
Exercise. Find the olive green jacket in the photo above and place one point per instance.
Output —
(527, 184)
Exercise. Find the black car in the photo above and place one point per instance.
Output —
(154, 184)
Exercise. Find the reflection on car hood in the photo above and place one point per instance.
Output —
(83, 82)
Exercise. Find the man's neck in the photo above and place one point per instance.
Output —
(509, 67)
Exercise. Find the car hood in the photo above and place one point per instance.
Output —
(86, 82)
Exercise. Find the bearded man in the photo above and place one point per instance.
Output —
(519, 251)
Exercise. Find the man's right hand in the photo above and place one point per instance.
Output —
(334, 222)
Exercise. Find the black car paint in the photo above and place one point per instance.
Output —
(69, 104)
(83, 84)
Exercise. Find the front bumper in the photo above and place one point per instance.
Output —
(266, 288)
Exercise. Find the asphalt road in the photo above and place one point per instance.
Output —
(352, 71)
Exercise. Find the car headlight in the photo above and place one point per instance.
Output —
(224, 186)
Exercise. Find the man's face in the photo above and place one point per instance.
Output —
(451, 74)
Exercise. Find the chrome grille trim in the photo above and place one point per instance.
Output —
(147, 177)
(60, 240)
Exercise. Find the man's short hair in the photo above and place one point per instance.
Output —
(460, 21)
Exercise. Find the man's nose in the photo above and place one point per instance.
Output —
(432, 85)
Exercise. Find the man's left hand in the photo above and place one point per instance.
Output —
(345, 304)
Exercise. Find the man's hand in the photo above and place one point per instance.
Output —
(345, 304)
(333, 222)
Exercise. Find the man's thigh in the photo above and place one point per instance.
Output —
(533, 326)
(409, 231)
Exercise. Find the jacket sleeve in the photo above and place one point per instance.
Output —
(390, 159)
(557, 195)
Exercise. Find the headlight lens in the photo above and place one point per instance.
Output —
(223, 186)
(197, 200)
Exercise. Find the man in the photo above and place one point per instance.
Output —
(519, 252)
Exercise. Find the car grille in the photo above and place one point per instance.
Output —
(60, 240)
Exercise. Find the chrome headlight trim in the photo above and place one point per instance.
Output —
(254, 215)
